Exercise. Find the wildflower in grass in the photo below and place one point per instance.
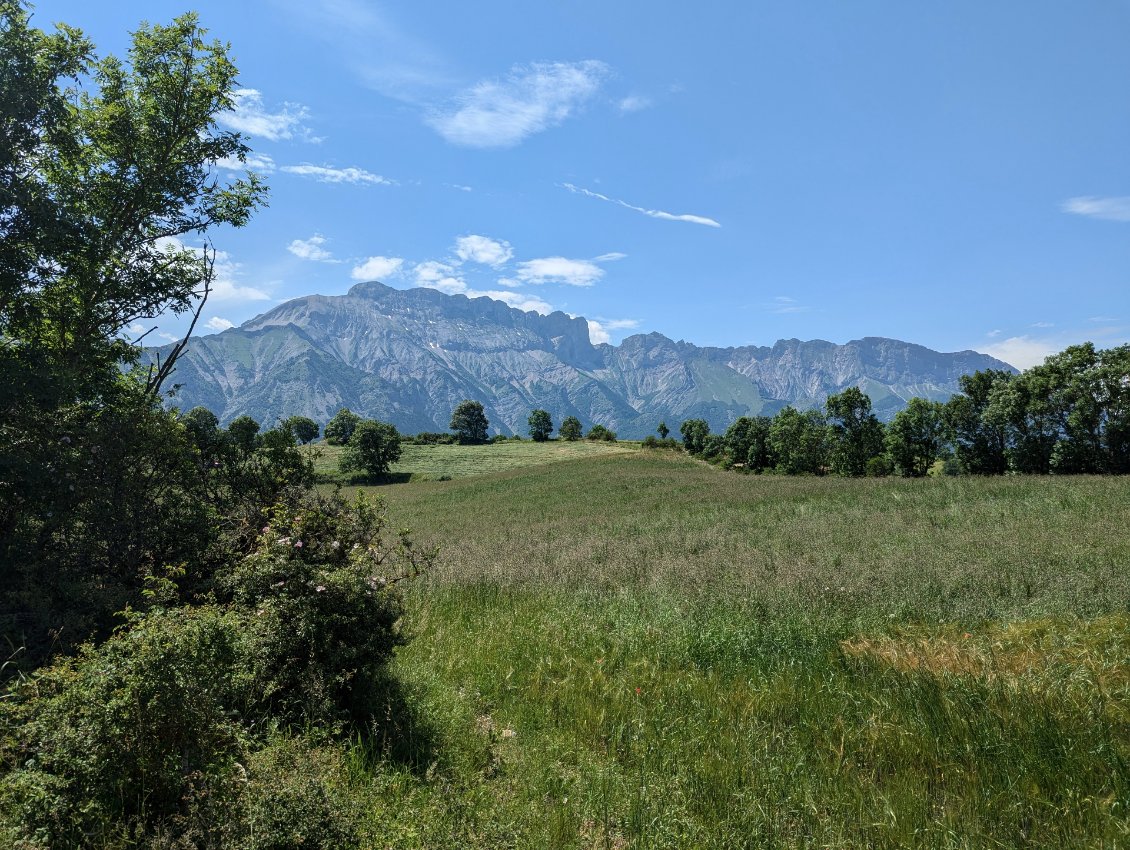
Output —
(321, 588)
(298, 545)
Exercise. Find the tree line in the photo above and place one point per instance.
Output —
(1069, 415)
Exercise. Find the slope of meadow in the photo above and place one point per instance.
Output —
(643, 651)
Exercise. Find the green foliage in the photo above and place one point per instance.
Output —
(980, 443)
(541, 425)
(599, 432)
(373, 447)
(694, 433)
(663, 430)
(856, 434)
(570, 429)
(150, 732)
(243, 431)
(469, 422)
(304, 428)
(800, 442)
(916, 437)
(340, 427)
(430, 438)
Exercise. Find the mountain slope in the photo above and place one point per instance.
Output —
(409, 356)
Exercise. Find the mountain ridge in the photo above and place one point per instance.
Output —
(408, 356)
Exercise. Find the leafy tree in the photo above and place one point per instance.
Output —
(373, 447)
(799, 441)
(694, 433)
(1070, 414)
(340, 427)
(856, 433)
(105, 165)
(469, 422)
(541, 425)
(304, 428)
(916, 437)
(243, 431)
(663, 430)
(599, 432)
(570, 429)
(980, 442)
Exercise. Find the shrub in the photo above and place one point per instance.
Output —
(599, 432)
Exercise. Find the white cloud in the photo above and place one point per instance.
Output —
(253, 161)
(248, 116)
(609, 257)
(311, 249)
(599, 329)
(460, 187)
(482, 249)
(1043, 324)
(509, 282)
(326, 174)
(518, 300)
(634, 103)
(1022, 352)
(559, 270)
(224, 272)
(783, 304)
(377, 268)
(995, 332)
(217, 324)
(666, 216)
(1111, 209)
(532, 98)
(436, 275)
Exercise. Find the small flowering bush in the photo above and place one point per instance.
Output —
(320, 589)
(157, 730)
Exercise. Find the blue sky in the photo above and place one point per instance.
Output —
(953, 174)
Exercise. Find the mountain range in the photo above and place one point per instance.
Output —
(409, 356)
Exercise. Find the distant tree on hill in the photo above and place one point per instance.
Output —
(340, 428)
(541, 425)
(663, 430)
(799, 441)
(570, 429)
(599, 432)
(916, 437)
(373, 447)
(469, 422)
(694, 433)
(243, 430)
(856, 433)
(305, 429)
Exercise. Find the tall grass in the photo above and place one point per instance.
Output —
(642, 651)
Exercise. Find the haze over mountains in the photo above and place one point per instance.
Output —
(409, 356)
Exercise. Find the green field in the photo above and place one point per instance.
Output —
(436, 463)
(639, 650)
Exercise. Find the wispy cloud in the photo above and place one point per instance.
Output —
(783, 304)
(311, 249)
(249, 116)
(1111, 209)
(484, 250)
(559, 270)
(224, 285)
(532, 98)
(518, 300)
(666, 216)
(253, 162)
(217, 324)
(326, 174)
(377, 268)
(993, 333)
(600, 329)
(634, 103)
(609, 257)
(1043, 324)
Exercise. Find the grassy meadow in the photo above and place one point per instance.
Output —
(639, 650)
(435, 463)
